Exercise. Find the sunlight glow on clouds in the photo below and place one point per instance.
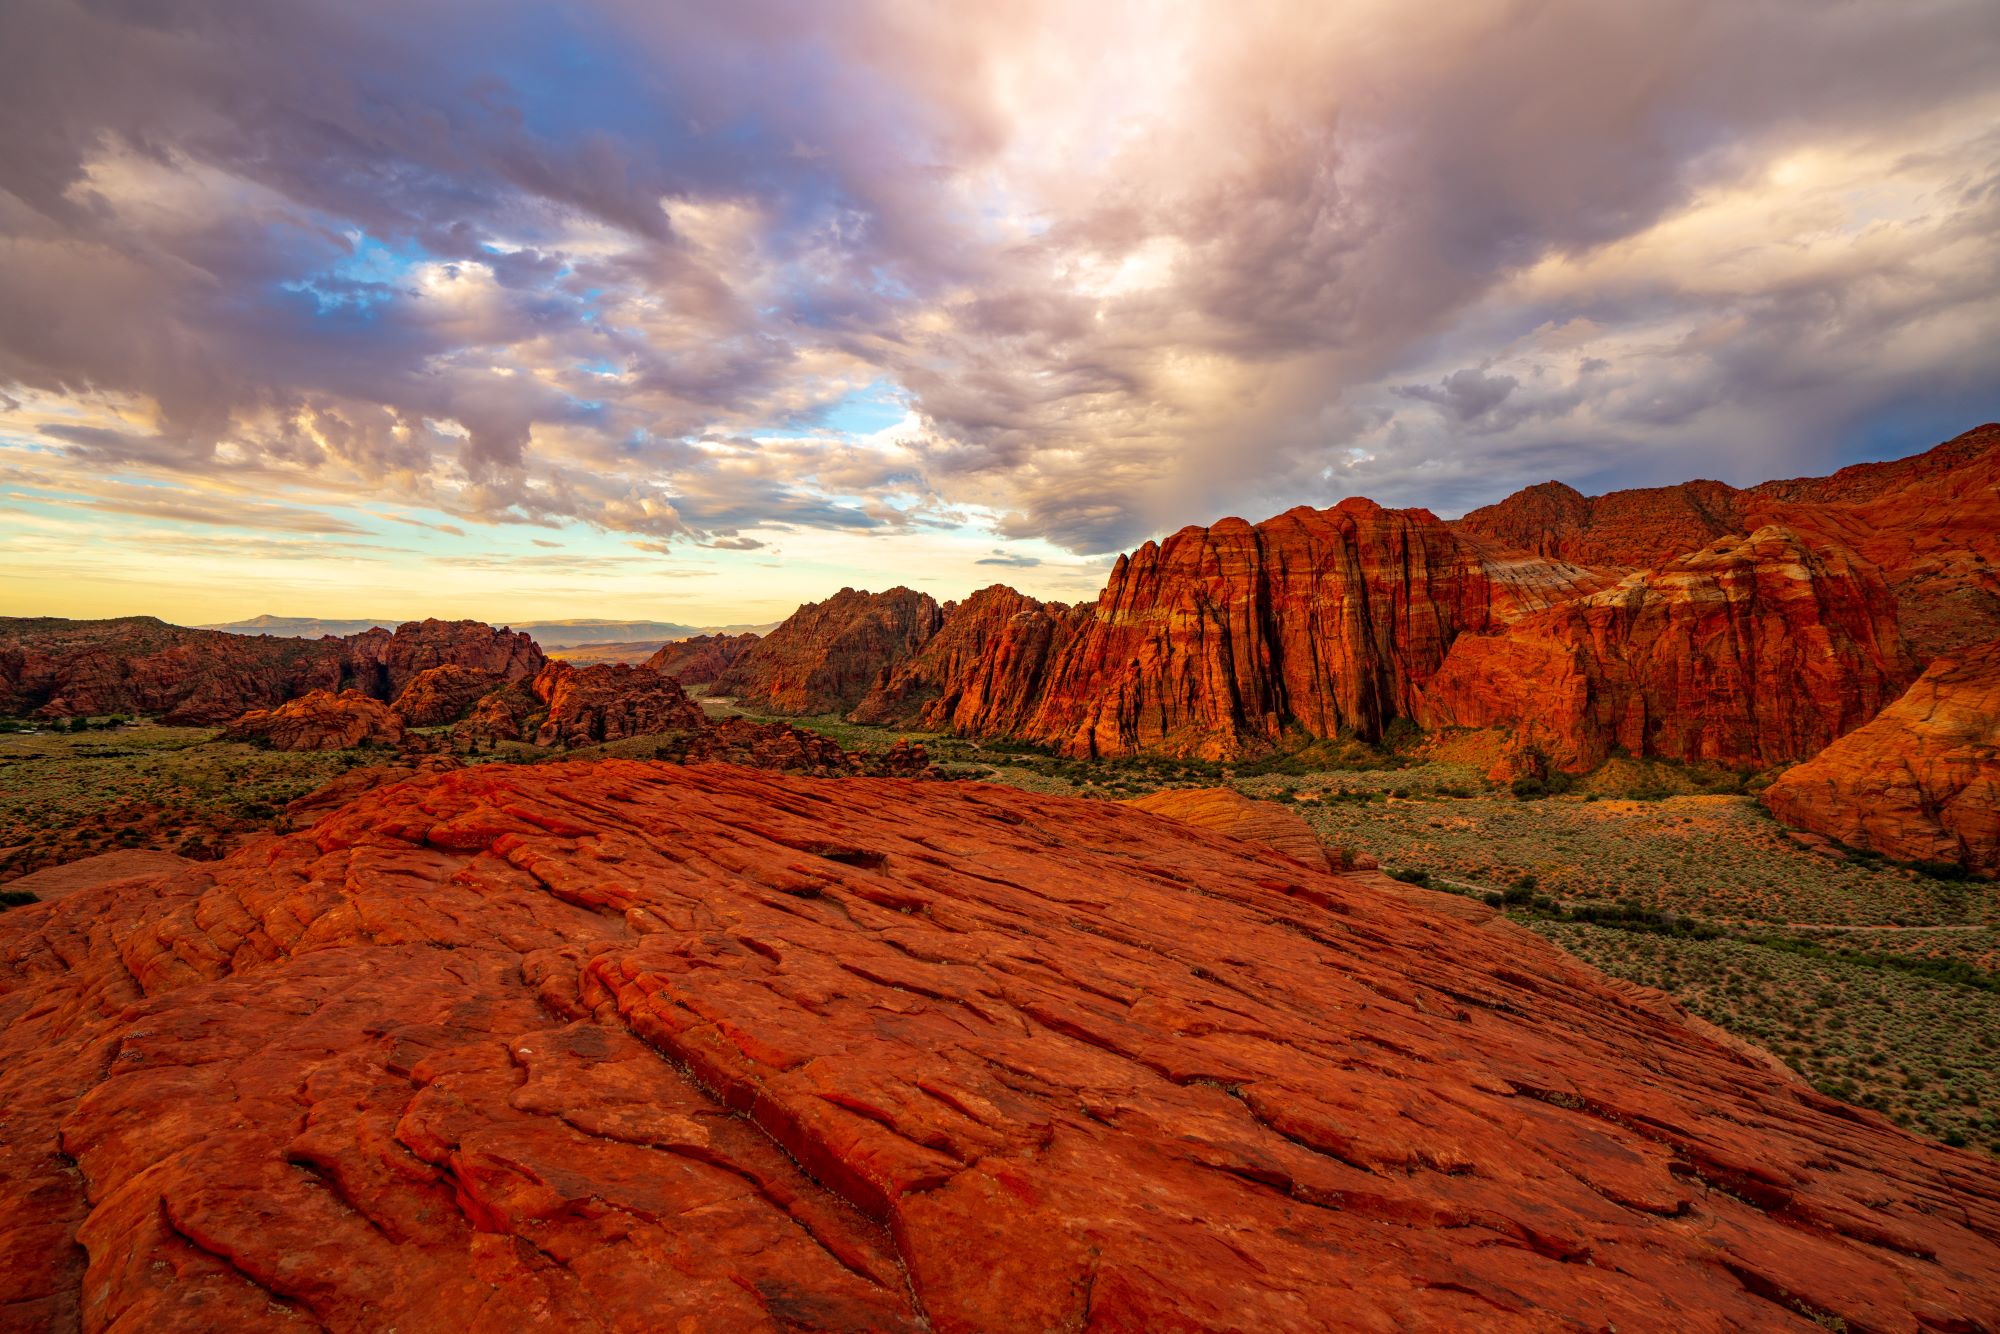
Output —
(365, 303)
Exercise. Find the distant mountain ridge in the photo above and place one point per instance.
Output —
(549, 634)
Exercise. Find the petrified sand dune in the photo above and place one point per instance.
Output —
(1922, 781)
(1228, 811)
(634, 1046)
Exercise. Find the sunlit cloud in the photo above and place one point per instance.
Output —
(804, 296)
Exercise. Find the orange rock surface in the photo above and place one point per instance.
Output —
(1931, 522)
(608, 701)
(1749, 652)
(1220, 640)
(827, 655)
(138, 664)
(983, 671)
(383, 662)
(633, 1046)
(320, 720)
(701, 658)
(443, 694)
(1633, 529)
(1228, 811)
(1919, 783)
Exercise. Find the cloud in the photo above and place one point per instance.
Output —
(1012, 561)
(1465, 395)
(1126, 270)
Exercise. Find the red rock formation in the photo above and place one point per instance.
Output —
(1227, 811)
(633, 1046)
(382, 662)
(320, 720)
(983, 671)
(511, 713)
(828, 654)
(1222, 639)
(788, 749)
(337, 792)
(1748, 653)
(443, 694)
(1931, 522)
(608, 702)
(1629, 529)
(73, 877)
(140, 665)
(700, 659)
(1919, 783)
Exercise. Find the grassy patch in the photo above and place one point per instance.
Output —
(1925, 1053)
(65, 795)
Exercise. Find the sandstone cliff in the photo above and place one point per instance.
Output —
(382, 662)
(634, 1046)
(828, 655)
(1930, 522)
(1919, 783)
(983, 671)
(700, 659)
(1220, 640)
(1749, 652)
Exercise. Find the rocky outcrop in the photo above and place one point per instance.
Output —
(383, 662)
(344, 788)
(788, 749)
(140, 665)
(609, 702)
(511, 713)
(1630, 529)
(1227, 811)
(985, 669)
(1747, 653)
(701, 659)
(320, 720)
(1221, 640)
(1930, 522)
(1919, 783)
(443, 694)
(827, 655)
(627, 1045)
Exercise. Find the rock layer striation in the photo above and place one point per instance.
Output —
(827, 655)
(626, 1045)
(1921, 782)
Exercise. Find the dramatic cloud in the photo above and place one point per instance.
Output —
(1054, 275)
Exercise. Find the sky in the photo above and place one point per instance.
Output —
(694, 312)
